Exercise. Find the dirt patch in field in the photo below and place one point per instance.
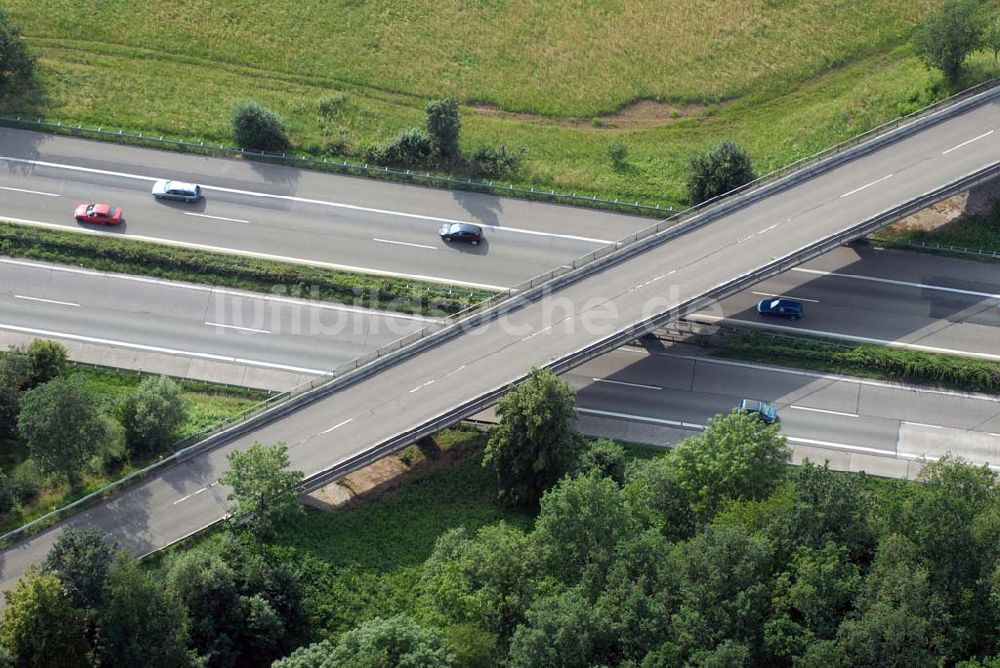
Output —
(635, 116)
(386, 474)
(979, 200)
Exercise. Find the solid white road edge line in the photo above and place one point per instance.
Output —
(306, 200)
(263, 256)
(220, 291)
(47, 301)
(159, 349)
(890, 281)
(620, 382)
(801, 299)
(404, 243)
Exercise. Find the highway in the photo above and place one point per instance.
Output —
(885, 296)
(488, 356)
(288, 214)
(197, 321)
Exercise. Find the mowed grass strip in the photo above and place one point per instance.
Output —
(127, 256)
(784, 79)
(979, 232)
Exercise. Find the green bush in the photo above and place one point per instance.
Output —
(47, 360)
(492, 163)
(26, 481)
(332, 104)
(411, 148)
(152, 415)
(715, 173)
(617, 151)
(443, 126)
(17, 63)
(257, 128)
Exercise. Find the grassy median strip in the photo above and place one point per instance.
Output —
(867, 361)
(122, 255)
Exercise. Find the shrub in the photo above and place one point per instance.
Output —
(257, 128)
(715, 173)
(412, 148)
(492, 163)
(947, 38)
(332, 104)
(443, 126)
(17, 63)
(152, 414)
(617, 151)
(26, 481)
(46, 360)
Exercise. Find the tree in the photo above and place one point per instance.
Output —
(947, 37)
(715, 173)
(14, 374)
(207, 587)
(377, 643)
(263, 489)
(561, 630)
(535, 442)
(62, 426)
(152, 414)
(257, 128)
(443, 126)
(736, 457)
(81, 559)
(581, 521)
(655, 499)
(17, 63)
(46, 360)
(141, 623)
(991, 38)
(485, 580)
(41, 628)
(605, 458)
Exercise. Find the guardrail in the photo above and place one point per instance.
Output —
(532, 289)
(926, 245)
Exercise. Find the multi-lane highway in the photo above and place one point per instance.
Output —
(896, 297)
(487, 356)
(289, 214)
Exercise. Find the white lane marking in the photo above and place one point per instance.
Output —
(768, 229)
(801, 299)
(242, 329)
(819, 376)
(185, 498)
(159, 349)
(403, 243)
(339, 424)
(923, 424)
(621, 382)
(890, 281)
(47, 301)
(823, 410)
(966, 143)
(867, 185)
(264, 256)
(306, 200)
(220, 291)
(791, 439)
(541, 331)
(992, 433)
(430, 382)
(848, 337)
(30, 192)
(205, 215)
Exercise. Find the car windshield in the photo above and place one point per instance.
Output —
(776, 303)
(112, 211)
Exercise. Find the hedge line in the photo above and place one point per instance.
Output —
(124, 255)
(897, 364)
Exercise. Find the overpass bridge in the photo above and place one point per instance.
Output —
(562, 319)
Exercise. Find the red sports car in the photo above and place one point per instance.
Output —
(103, 214)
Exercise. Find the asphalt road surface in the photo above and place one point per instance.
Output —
(293, 215)
(410, 393)
(197, 321)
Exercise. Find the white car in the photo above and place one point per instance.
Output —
(186, 192)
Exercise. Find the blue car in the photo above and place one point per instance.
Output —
(766, 411)
(780, 307)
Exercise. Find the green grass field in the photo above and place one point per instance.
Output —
(783, 77)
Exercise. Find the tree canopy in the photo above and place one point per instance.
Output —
(947, 37)
(263, 488)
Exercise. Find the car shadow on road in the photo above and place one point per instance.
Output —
(484, 209)
(120, 228)
(197, 206)
(482, 248)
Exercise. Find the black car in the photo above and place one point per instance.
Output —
(780, 307)
(468, 232)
